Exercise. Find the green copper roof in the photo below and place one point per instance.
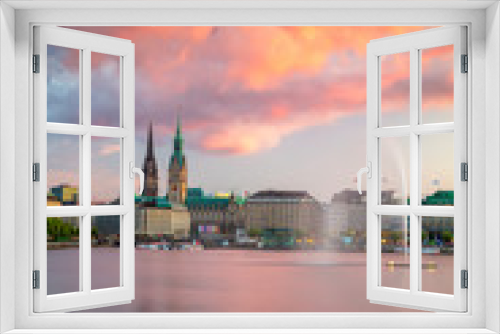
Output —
(179, 127)
(159, 201)
(195, 197)
(178, 153)
(440, 197)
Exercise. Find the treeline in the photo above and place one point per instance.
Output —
(59, 231)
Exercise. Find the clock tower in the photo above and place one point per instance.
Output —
(177, 171)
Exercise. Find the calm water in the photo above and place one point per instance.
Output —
(246, 281)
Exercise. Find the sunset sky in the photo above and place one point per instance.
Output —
(261, 107)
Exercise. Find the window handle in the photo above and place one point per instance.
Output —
(368, 171)
(134, 170)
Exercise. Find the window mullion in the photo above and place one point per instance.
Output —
(414, 169)
(86, 246)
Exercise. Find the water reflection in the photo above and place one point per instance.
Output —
(251, 281)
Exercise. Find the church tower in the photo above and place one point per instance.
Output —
(150, 167)
(177, 170)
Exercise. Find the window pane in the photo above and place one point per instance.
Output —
(105, 252)
(63, 255)
(395, 171)
(63, 178)
(395, 89)
(63, 85)
(395, 252)
(105, 89)
(437, 254)
(437, 84)
(437, 169)
(106, 171)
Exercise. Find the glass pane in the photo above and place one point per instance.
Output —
(63, 255)
(395, 252)
(437, 169)
(106, 171)
(395, 89)
(395, 170)
(105, 89)
(437, 254)
(63, 165)
(63, 85)
(105, 260)
(437, 84)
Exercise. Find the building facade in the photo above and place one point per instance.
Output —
(296, 211)
(347, 218)
(215, 218)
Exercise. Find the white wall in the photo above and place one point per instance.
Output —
(7, 185)
(492, 163)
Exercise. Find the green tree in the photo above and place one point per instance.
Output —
(58, 230)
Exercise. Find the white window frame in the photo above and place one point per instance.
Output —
(86, 44)
(484, 144)
(412, 44)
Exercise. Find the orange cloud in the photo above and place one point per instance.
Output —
(245, 88)
(248, 138)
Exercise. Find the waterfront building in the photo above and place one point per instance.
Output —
(53, 200)
(65, 194)
(348, 210)
(437, 232)
(215, 218)
(163, 222)
(348, 221)
(347, 225)
(296, 211)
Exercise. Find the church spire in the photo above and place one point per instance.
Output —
(178, 154)
(179, 128)
(178, 140)
(150, 167)
(150, 148)
(177, 172)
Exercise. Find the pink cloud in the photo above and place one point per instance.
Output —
(109, 149)
(247, 138)
(243, 89)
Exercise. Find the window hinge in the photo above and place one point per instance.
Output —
(36, 63)
(465, 64)
(36, 172)
(36, 279)
(465, 279)
(464, 172)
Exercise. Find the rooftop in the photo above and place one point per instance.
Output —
(281, 194)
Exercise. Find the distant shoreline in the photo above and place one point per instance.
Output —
(74, 245)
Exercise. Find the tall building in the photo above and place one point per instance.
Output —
(177, 170)
(150, 167)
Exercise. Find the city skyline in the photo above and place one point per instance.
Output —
(262, 107)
